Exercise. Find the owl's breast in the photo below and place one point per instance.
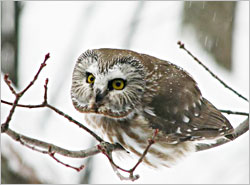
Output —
(134, 134)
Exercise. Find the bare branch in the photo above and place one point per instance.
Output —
(8, 82)
(75, 122)
(53, 148)
(22, 105)
(150, 142)
(207, 69)
(52, 154)
(46, 104)
(47, 56)
(46, 91)
(235, 112)
(5, 125)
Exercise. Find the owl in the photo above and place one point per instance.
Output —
(125, 96)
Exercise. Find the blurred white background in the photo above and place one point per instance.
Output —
(65, 30)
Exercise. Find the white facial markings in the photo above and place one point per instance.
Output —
(115, 72)
(102, 79)
(79, 103)
(93, 68)
(115, 99)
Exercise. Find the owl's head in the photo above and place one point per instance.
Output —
(108, 82)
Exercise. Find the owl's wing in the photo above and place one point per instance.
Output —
(179, 110)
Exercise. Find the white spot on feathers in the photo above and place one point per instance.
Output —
(178, 131)
(196, 114)
(186, 119)
(149, 111)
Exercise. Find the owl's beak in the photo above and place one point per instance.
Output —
(97, 99)
(99, 95)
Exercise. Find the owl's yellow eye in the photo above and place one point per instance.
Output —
(90, 78)
(118, 84)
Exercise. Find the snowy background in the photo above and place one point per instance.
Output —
(66, 29)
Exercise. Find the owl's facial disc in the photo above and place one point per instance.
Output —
(104, 90)
(110, 88)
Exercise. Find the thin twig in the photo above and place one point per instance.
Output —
(8, 82)
(46, 91)
(46, 104)
(150, 142)
(115, 167)
(47, 56)
(75, 122)
(235, 112)
(52, 154)
(5, 125)
(98, 138)
(22, 105)
(207, 69)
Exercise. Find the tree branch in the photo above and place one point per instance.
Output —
(52, 154)
(53, 148)
(5, 125)
(235, 112)
(207, 69)
(45, 104)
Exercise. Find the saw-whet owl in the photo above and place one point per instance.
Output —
(126, 95)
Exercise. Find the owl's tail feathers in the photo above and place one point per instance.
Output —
(239, 130)
(218, 121)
